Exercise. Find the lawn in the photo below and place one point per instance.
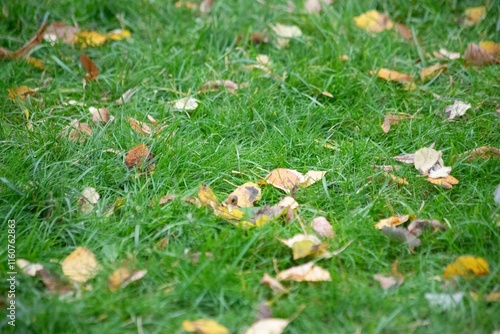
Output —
(318, 106)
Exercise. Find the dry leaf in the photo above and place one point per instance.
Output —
(90, 67)
(263, 215)
(21, 92)
(312, 6)
(229, 213)
(140, 127)
(312, 177)
(444, 300)
(446, 182)
(75, 131)
(28, 268)
(417, 226)
(392, 221)
(137, 156)
(26, 48)
(404, 31)
(467, 266)
(373, 21)
(303, 245)
(264, 311)
(483, 152)
(268, 326)
(490, 47)
(122, 277)
(88, 38)
(100, 115)
(89, 197)
(54, 283)
(391, 119)
(273, 283)
(125, 98)
(305, 273)
(35, 63)
(458, 108)
(285, 179)
(185, 104)
(118, 34)
(207, 196)
(245, 195)
(427, 159)
(490, 297)
(60, 31)
(215, 85)
(204, 326)
(206, 5)
(81, 265)
(446, 54)
(406, 158)
(386, 282)
(165, 199)
(476, 55)
(288, 202)
(391, 75)
(432, 71)
(284, 33)
(474, 15)
(323, 227)
(401, 235)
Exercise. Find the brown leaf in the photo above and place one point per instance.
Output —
(323, 227)
(483, 152)
(122, 277)
(137, 156)
(215, 85)
(284, 179)
(273, 283)
(391, 75)
(404, 31)
(60, 31)
(28, 268)
(402, 235)
(21, 92)
(125, 98)
(54, 283)
(90, 67)
(100, 115)
(140, 127)
(476, 55)
(166, 199)
(26, 48)
(206, 5)
(417, 226)
(474, 15)
(245, 195)
(81, 265)
(490, 47)
(406, 158)
(446, 182)
(391, 119)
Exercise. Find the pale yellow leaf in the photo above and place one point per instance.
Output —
(307, 272)
(474, 15)
(373, 21)
(312, 177)
(28, 268)
(118, 34)
(392, 221)
(204, 326)
(273, 283)
(268, 326)
(81, 265)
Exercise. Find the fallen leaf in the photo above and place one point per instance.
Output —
(88, 38)
(312, 6)
(312, 177)
(76, 131)
(406, 158)
(122, 277)
(100, 115)
(285, 179)
(206, 5)
(125, 98)
(264, 311)
(288, 202)
(458, 108)
(21, 92)
(323, 227)
(90, 67)
(261, 216)
(476, 55)
(392, 221)
(137, 156)
(490, 47)
(89, 197)
(204, 326)
(274, 284)
(118, 34)
(417, 226)
(140, 127)
(427, 159)
(245, 195)
(443, 53)
(229, 213)
(28, 268)
(284, 33)
(391, 75)
(401, 235)
(444, 300)
(165, 199)
(404, 31)
(432, 71)
(60, 31)
(35, 63)
(302, 245)
(81, 265)
(215, 85)
(207, 196)
(474, 15)
(496, 195)
(399, 180)
(483, 152)
(54, 283)
(490, 297)
(26, 48)
(268, 326)
(387, 282)
(185, 104)
(466, 266)
(391, 119)
(446, 182)
(307, 272)
(373, 21)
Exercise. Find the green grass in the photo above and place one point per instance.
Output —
(268, 125)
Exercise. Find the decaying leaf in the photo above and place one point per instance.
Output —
(373, 21)
(89, 66)
(404, 31)
(406, 158)
(21, 92)
(28, 268)
(284, 33)
(81, 265)
(288, 202)
(392, 221)
(88, 38)
(467, 266)
(165, 199)
(204, 326)
(483, 152)
(268, 326)
(391, 119)
(125, 98)
(476, 55)
(288, 179)
(432, 71)
(185, 104)
(118, 34)
(474, 15)
(312, 177)
(60, 31)
(100, 115)
(138, 155)
(303, 245)
(122, 277)
(228, 212)
(458, 108)
(428, 161)
(215, 85)
(274, 284)
(245, 195)
(307, 272)
(417, 226)
(490, 47)
(490, 297)
(323, 227)
(390, 75)
(207, 196)
(446, 182)
(401, 235)
(443, 53)
(89, 197)
(261, 216)
(395, 280)
(54, 283)
(76, 132)
(444, 300)
(26, 48)
(140, 127)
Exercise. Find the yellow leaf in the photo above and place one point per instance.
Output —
(207, 196)
(466, 266)
(373, 21)
(312, 177)
(229, 213)
(285, 179)
(245, 195)
(35, 63)
(21, 92)
(88, 38)
(303, 248)
(204, 326)
(81, 265)
(118, 34)
(432, 71)
(391, 75)
(392, 221)
(445, 182)
(490, 47)
(474, 15)
(307, 272)
(122, 277)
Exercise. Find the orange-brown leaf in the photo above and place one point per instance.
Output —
(89, 66)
